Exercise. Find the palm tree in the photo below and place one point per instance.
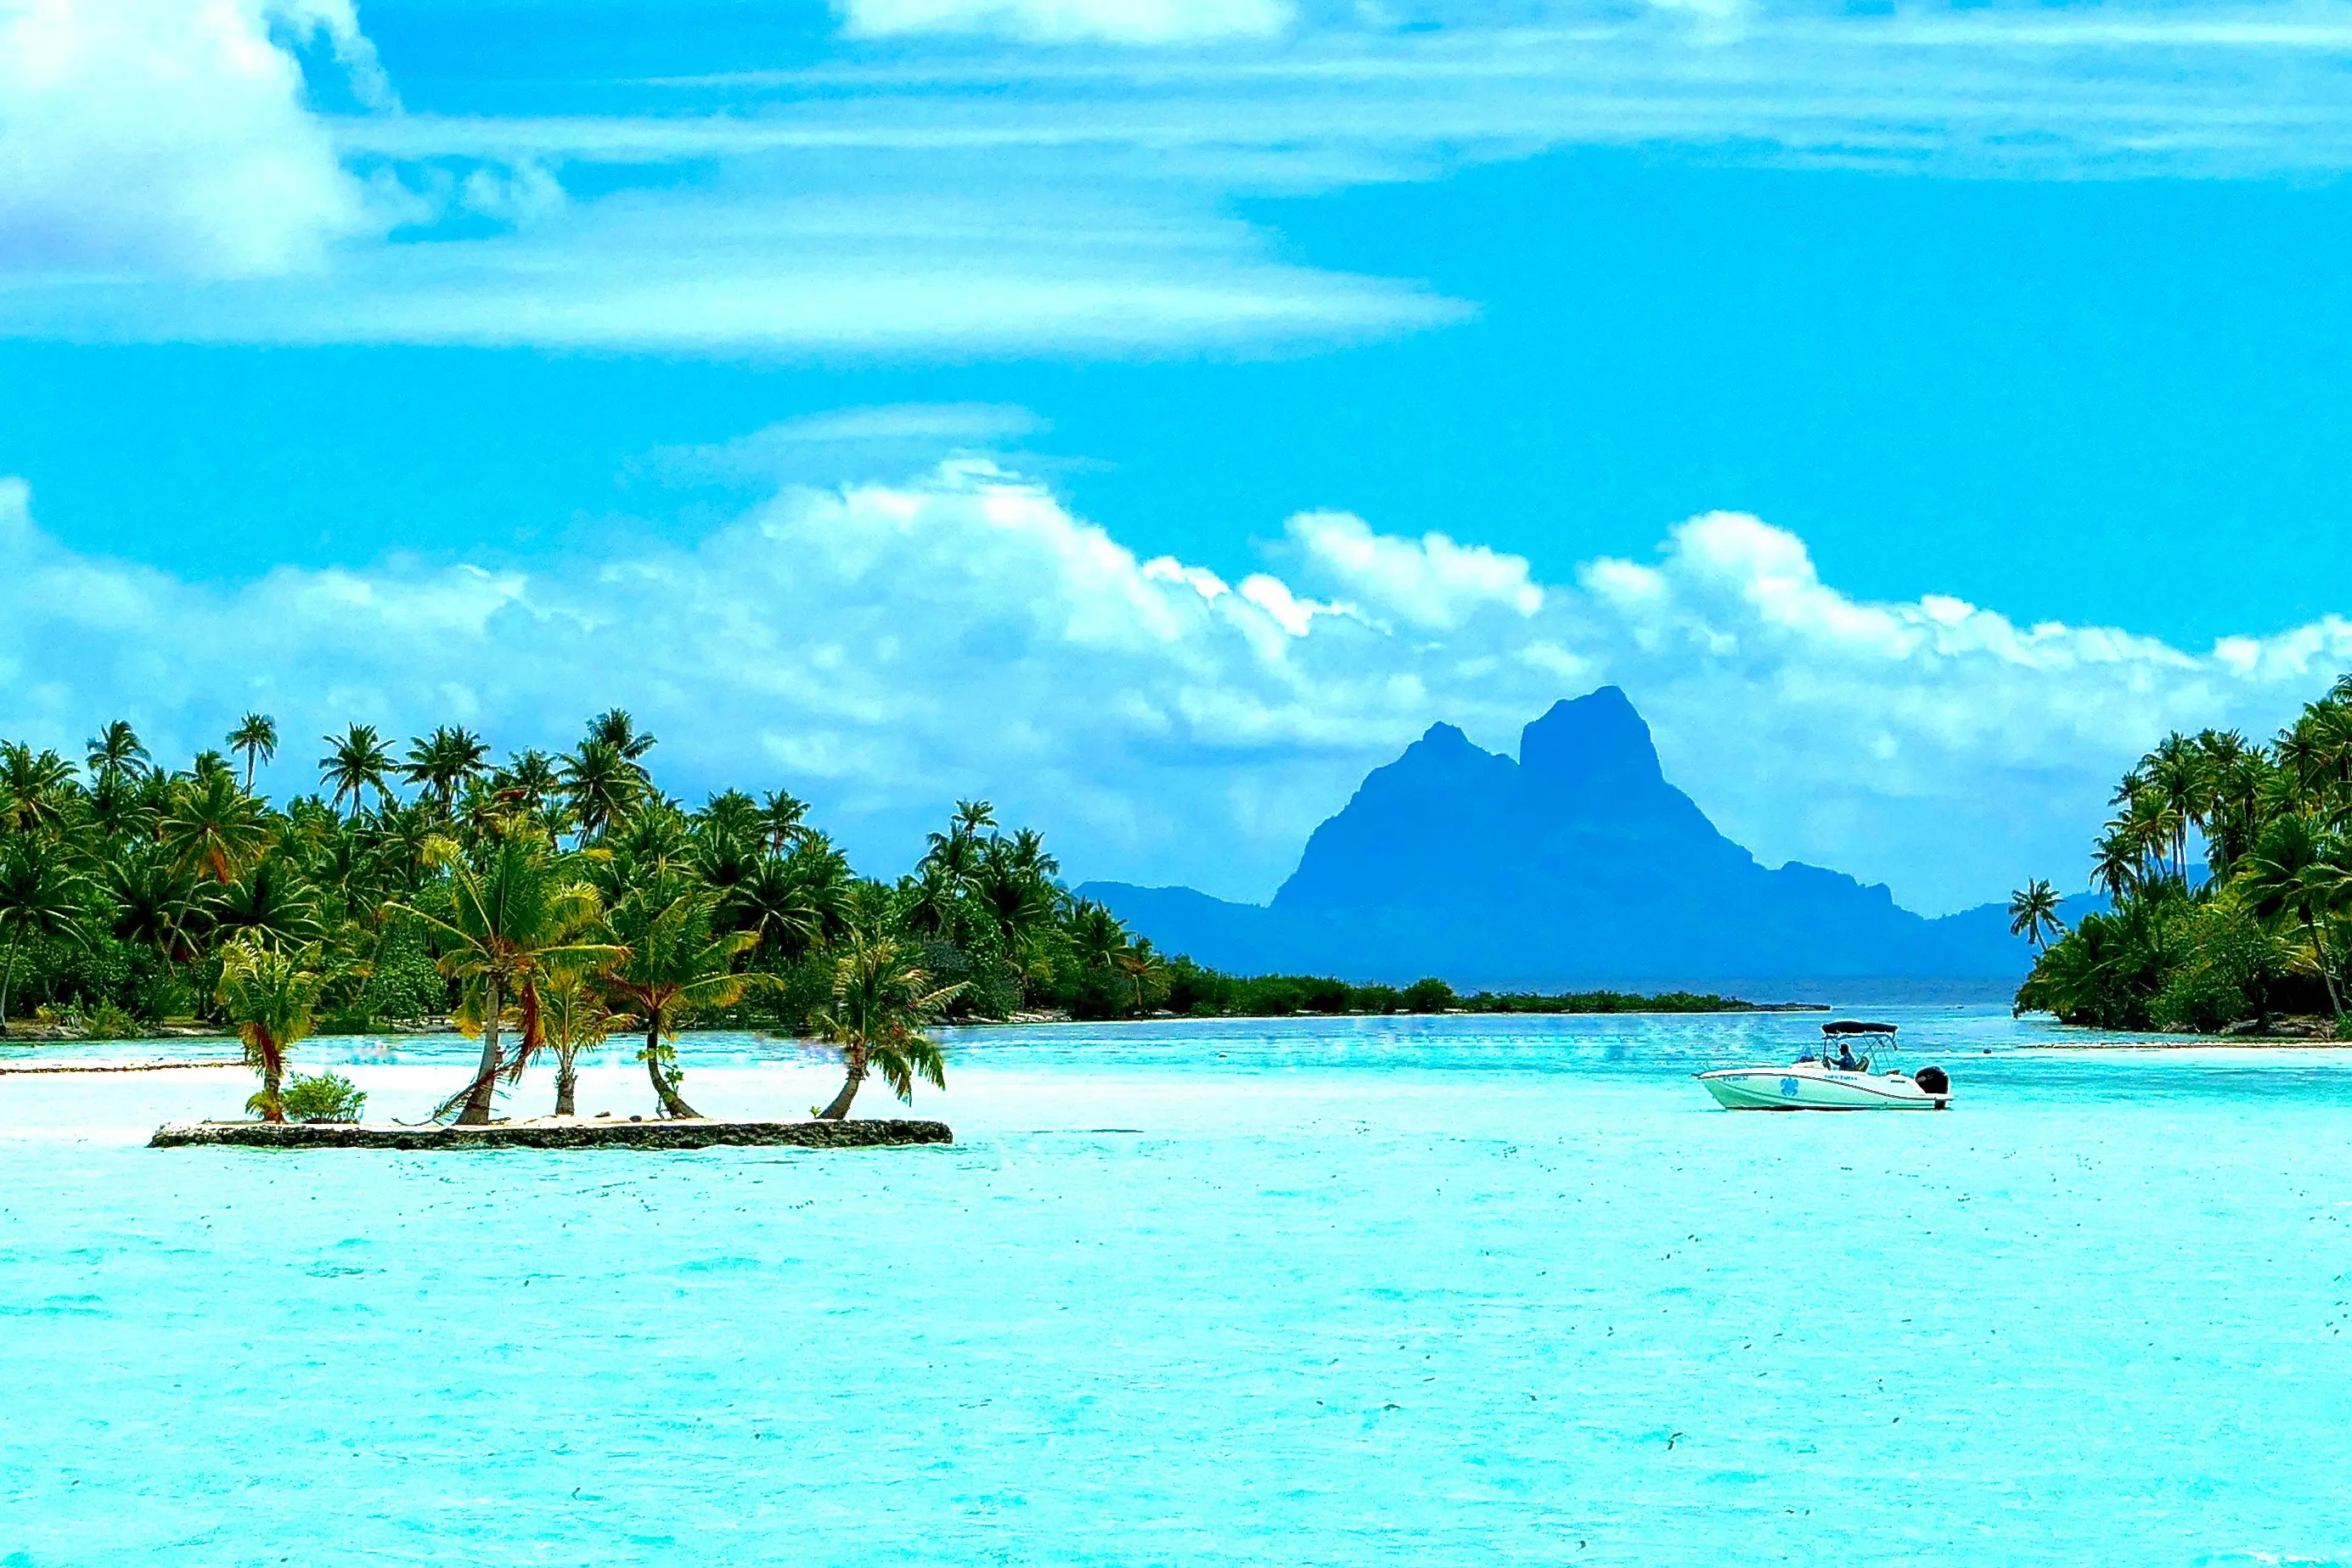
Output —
(2293, 869)
(41, 897)
(114, 751)
(2033, 914)
(271, 903)
(615, 728)
(599, 784)
(971, 816)
(36, 785)
(882, 1003)
(119, 809)
(2177, 778)
(356, 762)
(505, 925)
(445, 760)
(530, 774)
(783, 815)
(788, 903)
(272, 998)
(212, 823)
(157, 902)
(2116, 863)
(674, 963)
(256, 735)
(1145, 971)
(573, 1017)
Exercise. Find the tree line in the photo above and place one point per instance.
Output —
(2228, 867)
(543, 901)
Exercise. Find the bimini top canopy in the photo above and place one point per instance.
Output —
(1852, 1026)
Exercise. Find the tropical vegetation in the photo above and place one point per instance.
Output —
(2227, 870)
(546, 902)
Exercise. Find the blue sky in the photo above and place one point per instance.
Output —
(434, 335)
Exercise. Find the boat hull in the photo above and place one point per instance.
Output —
(1807, 1086)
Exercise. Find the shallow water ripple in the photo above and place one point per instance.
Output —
(1344, 1296)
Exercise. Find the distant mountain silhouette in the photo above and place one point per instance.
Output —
(1578, 862)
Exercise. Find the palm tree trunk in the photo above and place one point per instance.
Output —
(673, 1105)
(8, 976)
(567, 1085)
(273, 1078)
(2326, 968)
(477, 1112)
(839, 1110)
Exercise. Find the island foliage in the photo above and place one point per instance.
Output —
(545, 903)
(2228, 867)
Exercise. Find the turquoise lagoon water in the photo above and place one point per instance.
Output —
(1341, 1291)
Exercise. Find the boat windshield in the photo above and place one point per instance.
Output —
(1839, 1041)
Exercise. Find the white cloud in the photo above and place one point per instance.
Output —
(884, 439)
(165, 136)
(1431, 582)
(886, 648)
(1062, 21)
(899, 273)
(913, 195)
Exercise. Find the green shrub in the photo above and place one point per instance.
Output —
(325, 1097)
(164, 996)
(1429, 996)
(405, 984)
(106, 1021)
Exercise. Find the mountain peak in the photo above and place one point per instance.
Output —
(1577, 861)
(1595, 744)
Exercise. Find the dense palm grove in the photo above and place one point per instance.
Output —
(2229, 867)
(551, 898)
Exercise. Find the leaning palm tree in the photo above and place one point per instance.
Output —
(356, 762)
(2033, 914)
(882, 1003)
(256, 735)
(271, 995)
(214, 826)
(503, 925)
(674, 963)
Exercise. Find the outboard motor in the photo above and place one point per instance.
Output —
(1933, 1080)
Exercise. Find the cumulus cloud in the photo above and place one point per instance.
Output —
(171, 138)
(885, 648)
(1113, 21)
(1431, 582)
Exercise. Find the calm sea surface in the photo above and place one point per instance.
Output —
(1450, 1290)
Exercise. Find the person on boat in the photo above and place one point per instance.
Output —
(1845, 1060)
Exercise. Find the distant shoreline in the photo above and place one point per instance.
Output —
(1590, 1004)
(2203, 1043)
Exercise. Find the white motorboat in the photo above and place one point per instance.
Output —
(1832, 1082)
